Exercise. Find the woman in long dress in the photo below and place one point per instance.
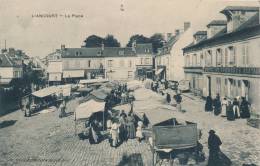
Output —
(224, 107)
(130, 126)
(245, 108)
(208, 104)
(139, 131)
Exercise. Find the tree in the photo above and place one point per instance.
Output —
(93, 41)
(139, 39)
(111, 41)
(96, 41)
(157, 41)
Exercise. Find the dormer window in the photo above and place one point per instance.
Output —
(121, 52)
(77, 53)
(99, 53)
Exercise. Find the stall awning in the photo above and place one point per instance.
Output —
(46, 91)
(159, 71)
(73, 73)
(90, 81)
(85, 110)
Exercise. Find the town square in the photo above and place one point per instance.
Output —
(113, 85)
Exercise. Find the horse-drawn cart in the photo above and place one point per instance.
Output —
(169, 136)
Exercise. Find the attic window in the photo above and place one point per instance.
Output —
(80, 53)
(99, 53)
(147, 50)
(77, 53)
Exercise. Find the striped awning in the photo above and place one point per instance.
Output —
(73, 73)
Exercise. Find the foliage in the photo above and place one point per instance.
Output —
(156, 40)
(96, 41)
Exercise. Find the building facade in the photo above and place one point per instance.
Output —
(227, 61)
(9, 69)
(114, 63)
(170, 60)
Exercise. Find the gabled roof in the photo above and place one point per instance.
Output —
(217, 22)
(166, 49)
(146, 48)
(5, 61)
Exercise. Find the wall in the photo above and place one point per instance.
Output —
(121, 68)
(81, 63)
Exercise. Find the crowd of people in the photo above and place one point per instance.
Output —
(239, 107)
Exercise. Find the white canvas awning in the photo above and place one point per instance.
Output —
(85, 110)
(158, 71)
(46, 91)
(73, 73)
(90, 81)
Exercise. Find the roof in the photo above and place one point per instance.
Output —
(239, 8)
(217, 22)
(226, 38)
(107, 52)
(200, 33)
(168, 46)
(6, 61)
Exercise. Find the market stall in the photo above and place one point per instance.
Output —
(85, 110)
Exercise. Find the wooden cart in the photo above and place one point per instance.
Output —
(170, 135)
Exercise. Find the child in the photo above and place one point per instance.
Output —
(139, 132)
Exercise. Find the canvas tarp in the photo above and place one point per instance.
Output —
(47, 91)
(86, 109)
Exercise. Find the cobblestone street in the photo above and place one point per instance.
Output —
(45, 139)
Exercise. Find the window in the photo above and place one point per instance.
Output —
(201, 59)
(89, 63)
(77, 64)
(77, 53)
(245, 55)
(129, 63)
(110, 63)
(66, 64)
(219, 57)
(130, 74)
(147, 61)
(194, 60)
(209, 58)
(218, 83)
(232, 55)
(141, 61)
(226, 57)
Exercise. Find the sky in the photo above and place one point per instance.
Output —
(41, 36)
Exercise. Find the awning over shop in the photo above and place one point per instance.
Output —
(47, 91)
(85, 110)
(90, 81)
(73, 73)
(159, 71)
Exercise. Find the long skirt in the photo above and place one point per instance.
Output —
(224, 110)
(217, 110)
(230, 115)
(131, 131)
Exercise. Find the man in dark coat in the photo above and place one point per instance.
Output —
(214, 143)
(168, 98)
(244, 108)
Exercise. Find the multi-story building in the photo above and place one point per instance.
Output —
(170, 60)
(115, 63)
(9, 69)
(227, 61)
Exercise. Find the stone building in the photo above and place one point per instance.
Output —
(114, 63)
(227, 61)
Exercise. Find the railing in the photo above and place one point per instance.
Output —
(193, 67)
(234, 70)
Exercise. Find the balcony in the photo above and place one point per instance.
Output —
(234, 70)
(193, 69)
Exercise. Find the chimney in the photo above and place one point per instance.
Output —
(63, 47)
(186, 26)
(177, 32)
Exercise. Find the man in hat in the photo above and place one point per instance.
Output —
(214, 143)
